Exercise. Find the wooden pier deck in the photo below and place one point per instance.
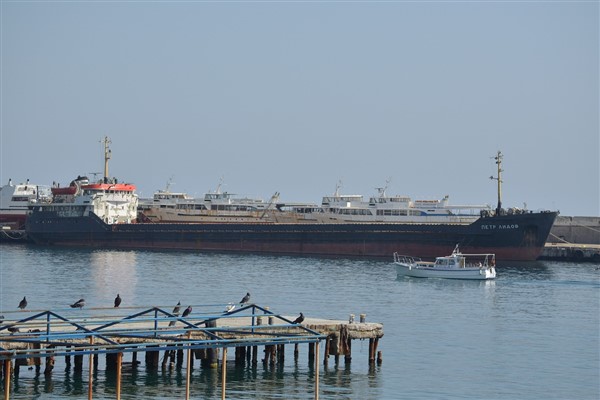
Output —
(26, 337)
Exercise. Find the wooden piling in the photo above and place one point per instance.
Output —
(7, 374)
(311, 352)
(326, 352)
(119, 368)
(224, 373)
(254, 355)
(78, 367)
(348, 355)
(91, 372)
(316, 358)
(152, 358)
(188, 371)
(49, 364)
(68, 357)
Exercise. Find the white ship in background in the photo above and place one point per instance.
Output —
(342, 208)
(217, 206)
(15, 199)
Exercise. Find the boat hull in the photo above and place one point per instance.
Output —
(454, 273)
(517, 237)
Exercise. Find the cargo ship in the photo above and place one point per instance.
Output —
(104, 215)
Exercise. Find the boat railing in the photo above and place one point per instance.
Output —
(398, 258)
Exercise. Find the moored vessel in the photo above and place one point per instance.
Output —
(510, 235)
(457, 265)
(14, 202)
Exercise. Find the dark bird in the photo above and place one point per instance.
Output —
(175, 312)
(117, 300)
(23, 303)
(299, 320)
(245, 299)
(176, 309)
(13, 329)
(78, 304)
(187, 311)
(1, 319)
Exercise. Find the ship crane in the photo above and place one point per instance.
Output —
(498, 178)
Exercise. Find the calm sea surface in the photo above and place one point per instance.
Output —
(533, 333)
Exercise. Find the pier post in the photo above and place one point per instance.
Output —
(49, 364)
(224, 373)
(348, 355)
(119, 365)
(179, 357)
(152, 357)
(91, 373)
(326, 352)
(316, 359)
(78, 363)
(311, 352)
(36, 360)
(68, 357)
(188, 369)
(255, 348)
(375, 344)
(7, 374)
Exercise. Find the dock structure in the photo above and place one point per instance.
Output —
(571, 252)
(201, 335)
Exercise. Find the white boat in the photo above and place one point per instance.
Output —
(455, 266)
(15, 200)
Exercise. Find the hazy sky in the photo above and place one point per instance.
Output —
(295, 96)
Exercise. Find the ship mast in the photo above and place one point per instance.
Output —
(107, 154)
(498, 159)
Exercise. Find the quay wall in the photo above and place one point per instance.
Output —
(583, 230)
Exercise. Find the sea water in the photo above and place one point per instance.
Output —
(532, 333)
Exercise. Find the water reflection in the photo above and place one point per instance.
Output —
(114, 272)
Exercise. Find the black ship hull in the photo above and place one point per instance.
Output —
(519, 237)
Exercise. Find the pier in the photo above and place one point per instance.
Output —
(571, 252)
(206, 334)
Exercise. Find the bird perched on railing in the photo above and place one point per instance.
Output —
(78, 304)
(187, 311)
(299, 320)
(245, 299)
(23, 303)
(175, 312)
(229, 307)
(117, 300)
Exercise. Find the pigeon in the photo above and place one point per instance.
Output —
(187, 311)
(23, 303)
(299, 319)
(176, 308)
(13, 329)
(175, 313)
(245, 299)
(117, 300)
(78, 304)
